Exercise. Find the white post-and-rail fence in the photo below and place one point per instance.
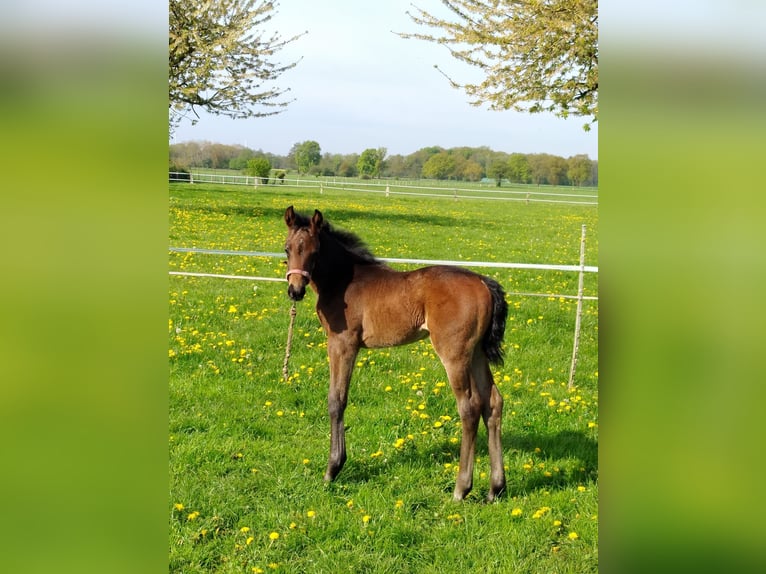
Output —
(581, 269)
(389, 187)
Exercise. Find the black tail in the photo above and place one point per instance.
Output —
(493, 337)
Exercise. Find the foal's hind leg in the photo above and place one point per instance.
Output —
(469, 408)
(492, 413)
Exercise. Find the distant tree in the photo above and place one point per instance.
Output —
(538, 168)
(557, 170)
(579, 169)
(370, 162)
(347, 167)
(219, 59)
(220, 155)
(439, 166)
(470, 171)
(259, 167)
(329, 164)
(498, 170)
(240, 162)
(518, 168)
(395, 166)
(539, 55)
(306, 154)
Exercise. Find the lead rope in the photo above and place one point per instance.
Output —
(293, 312)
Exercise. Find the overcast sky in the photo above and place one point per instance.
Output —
(361, 86)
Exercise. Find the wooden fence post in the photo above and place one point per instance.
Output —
(578, 317)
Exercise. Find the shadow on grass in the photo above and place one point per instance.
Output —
(351, 219)
(573, 451)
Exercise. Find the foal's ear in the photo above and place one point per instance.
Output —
(290, 216)
(316, 221)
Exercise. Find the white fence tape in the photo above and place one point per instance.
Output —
(388, 187)
(542, 266)
(391, 260)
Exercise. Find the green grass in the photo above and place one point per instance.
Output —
(248, 451)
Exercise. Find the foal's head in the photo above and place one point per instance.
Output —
(302, 248)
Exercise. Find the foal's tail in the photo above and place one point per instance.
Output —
(493, 336)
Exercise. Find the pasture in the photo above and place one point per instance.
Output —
(248, 450)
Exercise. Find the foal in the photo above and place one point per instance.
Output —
(361, 302)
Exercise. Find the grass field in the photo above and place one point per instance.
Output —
(248, 450)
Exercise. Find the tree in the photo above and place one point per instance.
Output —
(470, 170)
(240, 162)
(219, 59)
(536, 55)
(306, 155)
(371, 162)
(439, 166)
(518, 168)
(498, 170)
(259, 167)
(579, 169)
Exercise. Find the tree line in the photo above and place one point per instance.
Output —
(434, 162)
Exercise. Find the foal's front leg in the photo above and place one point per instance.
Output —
(342, 356)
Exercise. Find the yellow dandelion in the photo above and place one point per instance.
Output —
(293, 526)
(178, 506)
(311, 514)
(581, 488)
(192, 516)
(232, 309)
(257, 570)
(244, 529)
(249, 540)
(350, 504)
(366, 518)
(399, 504)
(306, 461)
(274, 536)
(437, 424)
(516, 512)
(557, 523)
(573, 536)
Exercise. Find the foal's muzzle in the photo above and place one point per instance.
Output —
(296, 289)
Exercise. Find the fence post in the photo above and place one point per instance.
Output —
(387, 191)
(578, 317)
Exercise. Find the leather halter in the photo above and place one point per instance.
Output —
(306, 274)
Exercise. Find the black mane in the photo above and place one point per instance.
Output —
(350, 242)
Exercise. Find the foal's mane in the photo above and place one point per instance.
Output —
(350, 242)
